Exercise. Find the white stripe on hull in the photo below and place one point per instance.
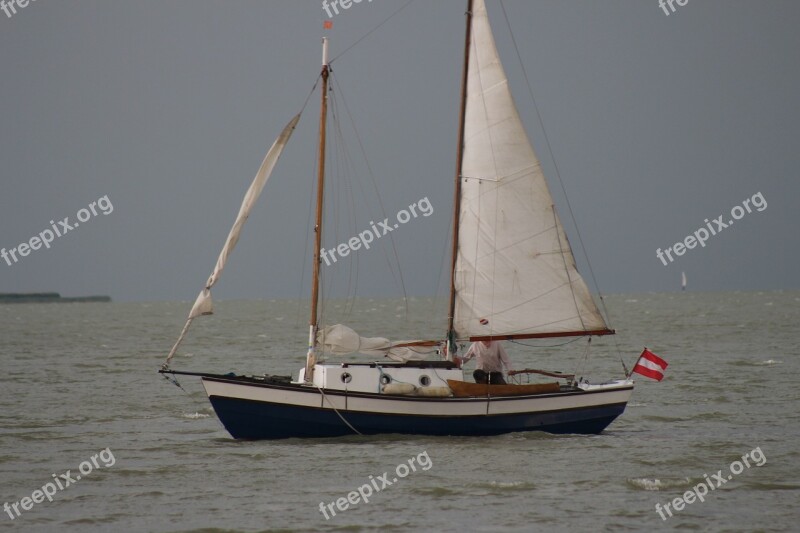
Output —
(613, 394)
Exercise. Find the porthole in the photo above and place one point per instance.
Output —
(386, 379)
(424, 381)
(346, 377)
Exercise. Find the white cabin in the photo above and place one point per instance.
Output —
(422, 378)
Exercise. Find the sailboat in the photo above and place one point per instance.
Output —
(512, 276)
(683, 281)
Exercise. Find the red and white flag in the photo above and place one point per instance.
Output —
(650, 365)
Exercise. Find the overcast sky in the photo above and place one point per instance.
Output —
(656, 123)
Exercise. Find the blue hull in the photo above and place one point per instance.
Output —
(247, 419)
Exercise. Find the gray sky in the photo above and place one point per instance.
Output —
(167, 107)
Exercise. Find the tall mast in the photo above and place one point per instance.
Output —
(457, 201)
(323, 115)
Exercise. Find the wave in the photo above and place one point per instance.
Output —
(643, 483)
(195, 416)
(768, 362)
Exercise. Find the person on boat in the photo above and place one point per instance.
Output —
(491, 358)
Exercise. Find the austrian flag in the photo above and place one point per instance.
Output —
(650, 365)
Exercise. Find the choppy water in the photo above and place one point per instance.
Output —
(79, 378)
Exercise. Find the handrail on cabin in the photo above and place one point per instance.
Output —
(552, 374)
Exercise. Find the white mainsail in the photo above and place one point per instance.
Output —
(203, 304)
(515, 273)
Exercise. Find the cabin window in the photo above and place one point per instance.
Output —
(424, 381)
(386, 379)
(346, 377)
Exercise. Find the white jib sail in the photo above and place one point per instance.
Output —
(515, 272)
(203, 304)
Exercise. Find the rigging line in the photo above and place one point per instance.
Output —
(351, 168)
(377, 195)
(560, 181)
(399, 274)
(443, 274)
(354, 264)
(566, 266)
(344, 165)
(311, 92)
(582, 362)
(334, 167)
(305, 246)
(370, 32)
(323, 313)
(174, 381)
(335, 410)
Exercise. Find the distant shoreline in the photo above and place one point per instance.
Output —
(47, 297)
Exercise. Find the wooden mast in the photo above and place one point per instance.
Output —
(451, 345)
(323, 115)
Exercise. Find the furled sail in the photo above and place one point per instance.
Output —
(342, 340)
(203, 304)
(515, 274)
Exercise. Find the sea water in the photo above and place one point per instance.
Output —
(79, 386)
